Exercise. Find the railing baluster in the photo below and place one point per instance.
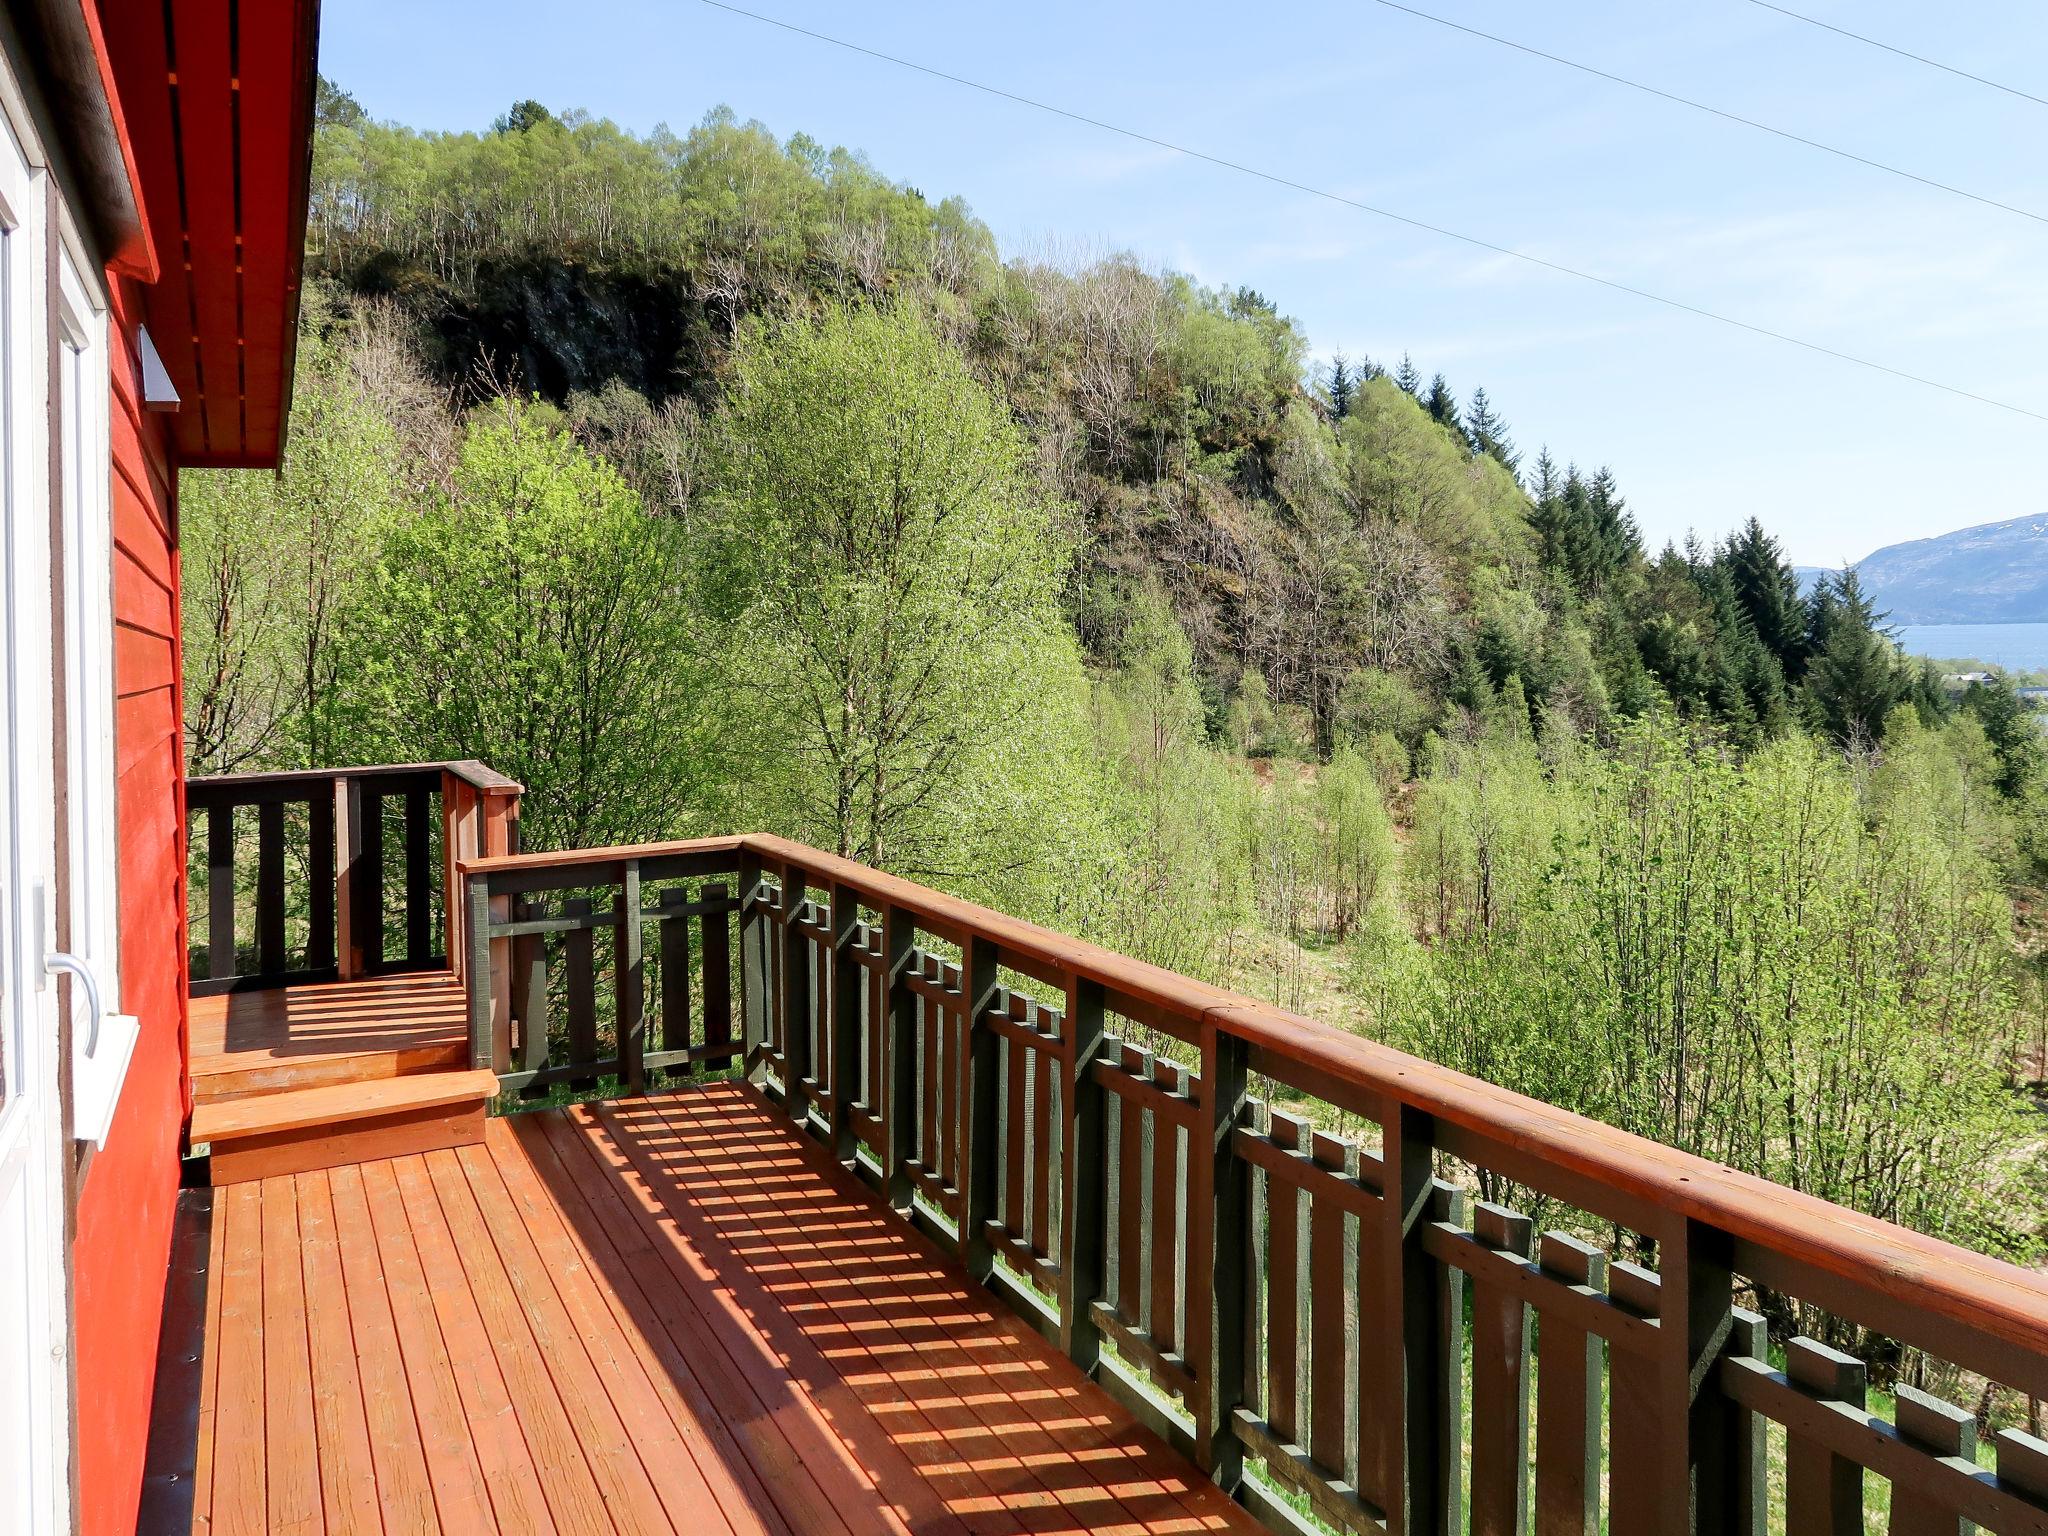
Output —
(1632, 1428)
(1823, 1491)
(1163, 1220)
(221, 960)
(1283, 1288)
(1500, 1384)
(1749, 1440)
(270, 888)
(580, 974)
(1939, 1429)
(1044, 1149)
(419, 880)
(530, 970)
(717, 955)
(320, 875)
(1133, 1156)
(1331, 1386)
(369, 881)
(1569, 1371)
(1015, 1110)
(629, 982)
(672, 942)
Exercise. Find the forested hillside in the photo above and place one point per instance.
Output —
(715, 481)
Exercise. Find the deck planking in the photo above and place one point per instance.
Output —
(667, 1314)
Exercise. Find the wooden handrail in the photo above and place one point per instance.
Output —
(2002, 1300)
(849, 1063)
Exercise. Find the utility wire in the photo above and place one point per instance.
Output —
(1385, 213)
(1701, 106)
(1904, 53)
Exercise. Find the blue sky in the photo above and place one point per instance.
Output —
(1702, 425)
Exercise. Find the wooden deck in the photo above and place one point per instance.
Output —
(344, 1031)
(665, 1314)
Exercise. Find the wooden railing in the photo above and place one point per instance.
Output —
(324, 903)
(1260, 1230)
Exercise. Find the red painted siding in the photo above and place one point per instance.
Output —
(125, 1209)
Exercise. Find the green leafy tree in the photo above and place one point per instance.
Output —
(534, 617)
(885, 569)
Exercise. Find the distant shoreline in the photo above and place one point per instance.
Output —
(2015, 647)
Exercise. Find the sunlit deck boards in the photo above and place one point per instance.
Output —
(342, 1031)
(663, 1314)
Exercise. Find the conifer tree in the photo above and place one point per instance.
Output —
(1408, 378)
(1442, 405)
(1769, 594)
(1853, 678)
(1342, 386)
(1488, 433)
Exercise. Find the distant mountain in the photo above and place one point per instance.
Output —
(1996, 573)
(1810, 576)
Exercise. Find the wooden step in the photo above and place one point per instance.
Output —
(339, 1123)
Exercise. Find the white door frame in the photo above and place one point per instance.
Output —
(35, 1494)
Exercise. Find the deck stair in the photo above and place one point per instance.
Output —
(297, 1130)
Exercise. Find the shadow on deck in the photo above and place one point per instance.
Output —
(666, 1314)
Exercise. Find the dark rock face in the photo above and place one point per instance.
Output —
(553, 326)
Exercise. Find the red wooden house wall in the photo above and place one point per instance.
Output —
(130, 1188)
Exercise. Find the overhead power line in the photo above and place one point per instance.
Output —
(1385, 213)
(1711, 111)
(1904, 53)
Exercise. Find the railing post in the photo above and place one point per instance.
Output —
(629, 990)
(1084, 1176)
(983, 1145)
(843, 967)
(1699, 1313)
(795, 999)
(348, 844)
(1410, 1348)
(483, 1023)
(899, 941)
(1219, 1226)
(753, 923)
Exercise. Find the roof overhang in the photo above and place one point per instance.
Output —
(218, 106)
(77, 82)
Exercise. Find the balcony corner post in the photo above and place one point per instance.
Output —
(844, 967)
(1219, 1228)
(1084, 1170)
(899, 943)
(984, 1092)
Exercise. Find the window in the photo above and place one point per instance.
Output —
(101, 1040)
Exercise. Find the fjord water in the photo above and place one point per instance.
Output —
(2016, 647)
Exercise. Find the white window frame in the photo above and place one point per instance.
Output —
(103, 1040)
